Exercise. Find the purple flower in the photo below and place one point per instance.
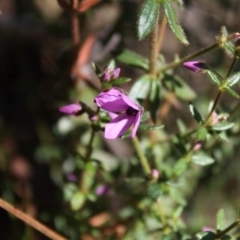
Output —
(123, 111)
(195, 66)
(71, 109)
(109, 74)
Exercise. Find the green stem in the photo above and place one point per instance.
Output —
(161, 213)
(219, 94)
(229, 228)
(230, 69)
(141, 156)
(188, 57)
(220, 91)
(89, 146)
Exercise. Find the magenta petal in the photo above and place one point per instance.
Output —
(71, 109)
(118, 126)
(130, 102)
(111, 101)
(136, 124)
(106, 76)
(116, 73)
(195, 66)
(112, 115)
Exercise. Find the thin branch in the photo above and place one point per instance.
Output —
(30, 221)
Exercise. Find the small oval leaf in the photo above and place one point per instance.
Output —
(132, 59)
(197, 116)
(231, 92)
(233, 79)
(214, 77)
(120, 81)
(202, 159)
(222, 126)
(148, 18)
(141, 88)
(173, 22)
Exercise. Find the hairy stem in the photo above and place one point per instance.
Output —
(153, 53)
(161, 33)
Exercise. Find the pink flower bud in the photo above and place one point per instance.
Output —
(155, 173)
(197, 146)
(195, 66)
(71, 109)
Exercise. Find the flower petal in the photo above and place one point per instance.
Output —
(195, 66)
(111, 101)
(116, 73)
(130, 102)
(112, 115)
(71, 109)
(118, 126)
(136, 124)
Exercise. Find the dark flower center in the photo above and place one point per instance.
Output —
(131, 111)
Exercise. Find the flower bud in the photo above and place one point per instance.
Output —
(109, 74)
(71, 109)
(196, 66)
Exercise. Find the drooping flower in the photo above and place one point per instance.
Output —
(71, 109)
(123, 111)
(195, 66)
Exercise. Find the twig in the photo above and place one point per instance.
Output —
(31, 221)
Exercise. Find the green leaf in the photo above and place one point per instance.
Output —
(177, 141)
(179, 87)
(97, 70)
(141, 88)
(77, 201)
(214, 77)
(111, 66)
(221, 223)
(88, 176)
(173, 22)
(202, 159)
(181, 126)
(197, 116)
(209, 236)
(120, 81)
(231, 92)
(148, 17)
(150, 127)
(106, 85)
(132, 59)
(180, 167)
(228, 46)
(233, 79)
(154, 191)
(222, 126)
(155, 98)
(223, 136)
(202, 133)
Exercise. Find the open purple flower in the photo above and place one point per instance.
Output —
(123, 111)
(71, 109)
(195, 66)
